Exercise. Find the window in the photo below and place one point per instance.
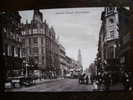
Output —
(34, 31)
(4, 29)
(24, 52)
(30, 51)
(18, 52)
(35, 40)
(42, 40)
(6, 49)
(12, 51)
(36, 59)
(112, 34)
(42, 50)
(42, 59)
(35, 50)
(111, 20)
(111, 52)
(110, 9)
(29, 41)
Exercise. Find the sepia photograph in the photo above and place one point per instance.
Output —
(68, 49)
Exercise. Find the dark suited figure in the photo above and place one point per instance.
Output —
(100, 82)
(87, 79)
(107, 81)
(91, 78)
(126, 81)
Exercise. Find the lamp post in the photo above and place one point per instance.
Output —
(25, 67)
(114, 51)
(26, 75)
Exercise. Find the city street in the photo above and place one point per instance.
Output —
(57, 86)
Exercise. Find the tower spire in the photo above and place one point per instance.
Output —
(79, 57)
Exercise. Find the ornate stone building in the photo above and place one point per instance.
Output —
(34, 42)
(114, 40)
(108, 54)
(12, 43)
(52, 53)
(40, 45)
(126, 40)
(62, 56)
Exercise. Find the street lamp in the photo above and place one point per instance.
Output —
(26, 69)
(114, 50)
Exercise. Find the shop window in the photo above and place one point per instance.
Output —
(18, 52)
(12, 50)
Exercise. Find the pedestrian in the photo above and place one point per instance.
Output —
(106, 81)
(87, 79)
(126, 81)
(100, 82)
(80, 78)
(91, 78)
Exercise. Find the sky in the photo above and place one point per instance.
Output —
(77, 28)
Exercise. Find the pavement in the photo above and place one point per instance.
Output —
(61, 84)
(46, 80)
(116, 87)
(57, 85)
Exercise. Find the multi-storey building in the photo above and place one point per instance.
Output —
(41, 45)
(76, 68)
(80, 61)
(108, 55)
(12, 43)
(100, 54)
(68, 65)
(62, 55)
(126, 39)
(34, 43)
(111, 39)
(52, 53)
(113, 48)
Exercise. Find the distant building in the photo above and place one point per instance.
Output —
(80, 60)
(92, 69)
(12, 43)
(52, 53)
(62, 56)
(68, 64)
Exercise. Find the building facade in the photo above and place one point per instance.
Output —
(34, 44)
(80, 61)
(114, 39)
(126, 40)
(52, 53)
(12, 43)
(40, 45)
(108, 54)
(62, 56)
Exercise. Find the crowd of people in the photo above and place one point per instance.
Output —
(106, 80)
